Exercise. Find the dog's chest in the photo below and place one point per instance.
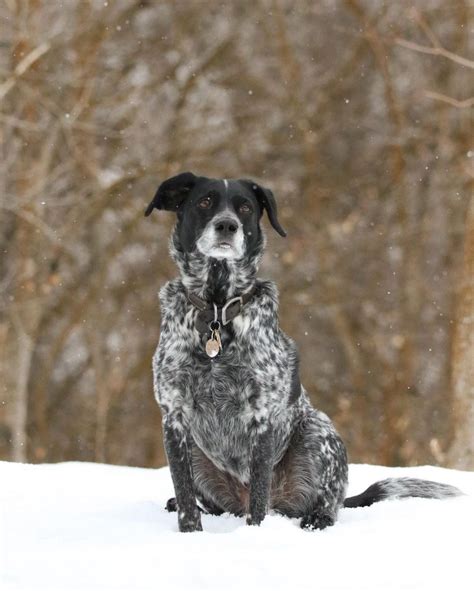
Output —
(221, 409)
(220, 401)
(224, 402)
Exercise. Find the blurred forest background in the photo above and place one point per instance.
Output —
(356, 113)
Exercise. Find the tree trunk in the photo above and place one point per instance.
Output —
(461, 452)
(20, 408)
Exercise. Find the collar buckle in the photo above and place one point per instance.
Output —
(226, 306)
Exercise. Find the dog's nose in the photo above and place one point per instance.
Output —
(225, 227)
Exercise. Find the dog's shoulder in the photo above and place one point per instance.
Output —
(172, 296)
(260, 313)
(171, 290)
(266, 297)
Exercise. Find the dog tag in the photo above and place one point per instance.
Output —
(213, 345)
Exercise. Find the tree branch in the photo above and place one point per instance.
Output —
(23, 66)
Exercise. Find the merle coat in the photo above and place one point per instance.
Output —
(240, 433)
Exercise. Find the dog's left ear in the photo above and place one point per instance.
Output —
(172, 192)
(266, 201)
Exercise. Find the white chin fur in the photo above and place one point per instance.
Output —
(218, 252)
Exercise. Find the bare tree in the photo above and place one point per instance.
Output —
(461, 451)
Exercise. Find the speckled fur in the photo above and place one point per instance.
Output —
(225, 403)
(240, 432)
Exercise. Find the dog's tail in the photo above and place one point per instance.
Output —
(402, 488)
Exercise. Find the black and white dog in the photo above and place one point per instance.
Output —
(240, 433)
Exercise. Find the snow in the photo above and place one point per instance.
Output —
(88, 527)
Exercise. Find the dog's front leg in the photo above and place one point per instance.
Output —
(179, 459)
(261, 468)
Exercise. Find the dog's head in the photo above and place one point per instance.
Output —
(218, 218)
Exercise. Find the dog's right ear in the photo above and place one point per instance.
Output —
(172, 192)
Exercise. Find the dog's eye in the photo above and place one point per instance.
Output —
(245, 208)
(205, 203)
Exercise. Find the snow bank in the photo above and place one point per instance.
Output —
(89, 527)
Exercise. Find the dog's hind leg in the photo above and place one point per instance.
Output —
(171, 505)
(208, 482)
(207, 506)
(218, 491)
(310, 481)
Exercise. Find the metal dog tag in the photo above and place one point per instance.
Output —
(214, 345)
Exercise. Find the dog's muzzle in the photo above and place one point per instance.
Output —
(222, 238)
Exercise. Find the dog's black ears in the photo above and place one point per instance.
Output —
(172, 192)
(266, 201)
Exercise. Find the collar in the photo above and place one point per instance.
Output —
(210, 312)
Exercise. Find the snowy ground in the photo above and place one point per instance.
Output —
(89, 527)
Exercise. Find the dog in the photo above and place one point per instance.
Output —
(240, 433)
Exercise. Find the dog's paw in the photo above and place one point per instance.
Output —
(316, 520)
(189, 524)
(254, 519)
(171, 505)
(189, 528)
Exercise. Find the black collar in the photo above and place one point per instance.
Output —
(210, 312)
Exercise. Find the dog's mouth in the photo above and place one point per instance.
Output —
(223, 249)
